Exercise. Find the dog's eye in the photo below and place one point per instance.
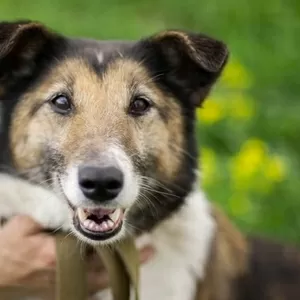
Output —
(61, 104)
(139, 106)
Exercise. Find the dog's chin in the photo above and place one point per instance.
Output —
(99, 226)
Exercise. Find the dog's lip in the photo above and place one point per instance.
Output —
(73, 208)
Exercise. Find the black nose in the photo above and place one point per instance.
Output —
(100, 184)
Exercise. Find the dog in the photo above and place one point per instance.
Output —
(99, 139)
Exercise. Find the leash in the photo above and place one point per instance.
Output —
(121, 262)
(70, 280)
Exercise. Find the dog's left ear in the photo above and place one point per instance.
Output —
(190, 63)
(23, 46)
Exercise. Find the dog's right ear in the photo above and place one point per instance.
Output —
(186, 62)
(22, 45)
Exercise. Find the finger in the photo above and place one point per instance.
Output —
(146, 253)
(97, 281)
(22, 225)
(46, 256)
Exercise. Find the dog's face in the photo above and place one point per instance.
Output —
(113, 135)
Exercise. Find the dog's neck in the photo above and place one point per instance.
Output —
(183, 245)
(192, 225)
(197, 250)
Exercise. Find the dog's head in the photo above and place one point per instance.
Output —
(113, 134)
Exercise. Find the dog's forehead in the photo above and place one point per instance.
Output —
(86, 72)
(92, 75)
(90, 62)
(102, 50)
(93, 72)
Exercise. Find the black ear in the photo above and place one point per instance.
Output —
(188, 63)
(22, 45)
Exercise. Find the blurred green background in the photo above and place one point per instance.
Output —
(249, 128)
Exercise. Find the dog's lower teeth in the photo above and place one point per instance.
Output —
(88, 224)
(95, 223)
(102, 227)
(110, 223)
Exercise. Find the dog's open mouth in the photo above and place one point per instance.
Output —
(98, 224)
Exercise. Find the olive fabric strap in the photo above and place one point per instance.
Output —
(128, 253)
(71, 281)
(121, 262)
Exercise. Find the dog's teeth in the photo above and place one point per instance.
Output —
(110, 224)
(101, 225)
(95, 227)
(81, 215)
(104, 226)
(87, 223)
(115, 215)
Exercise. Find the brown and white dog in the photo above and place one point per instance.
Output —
(99, 139)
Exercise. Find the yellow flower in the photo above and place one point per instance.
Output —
(245, 165)
(275, 169)
(250, 157)
(235, 76)
(252, 168)
(211, 112)
(207, 165)
(241, 107)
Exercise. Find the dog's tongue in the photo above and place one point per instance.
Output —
(99, 212)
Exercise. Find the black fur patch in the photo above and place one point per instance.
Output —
(184, 64)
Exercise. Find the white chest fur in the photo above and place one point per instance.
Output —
(182, 246)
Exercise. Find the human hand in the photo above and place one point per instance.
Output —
(28, 259)
(27, 255)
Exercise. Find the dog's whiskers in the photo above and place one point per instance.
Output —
(155, 182)
(150, 204)
(151, 190)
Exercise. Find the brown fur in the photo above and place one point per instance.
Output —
(228, 261)
(96, 98)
